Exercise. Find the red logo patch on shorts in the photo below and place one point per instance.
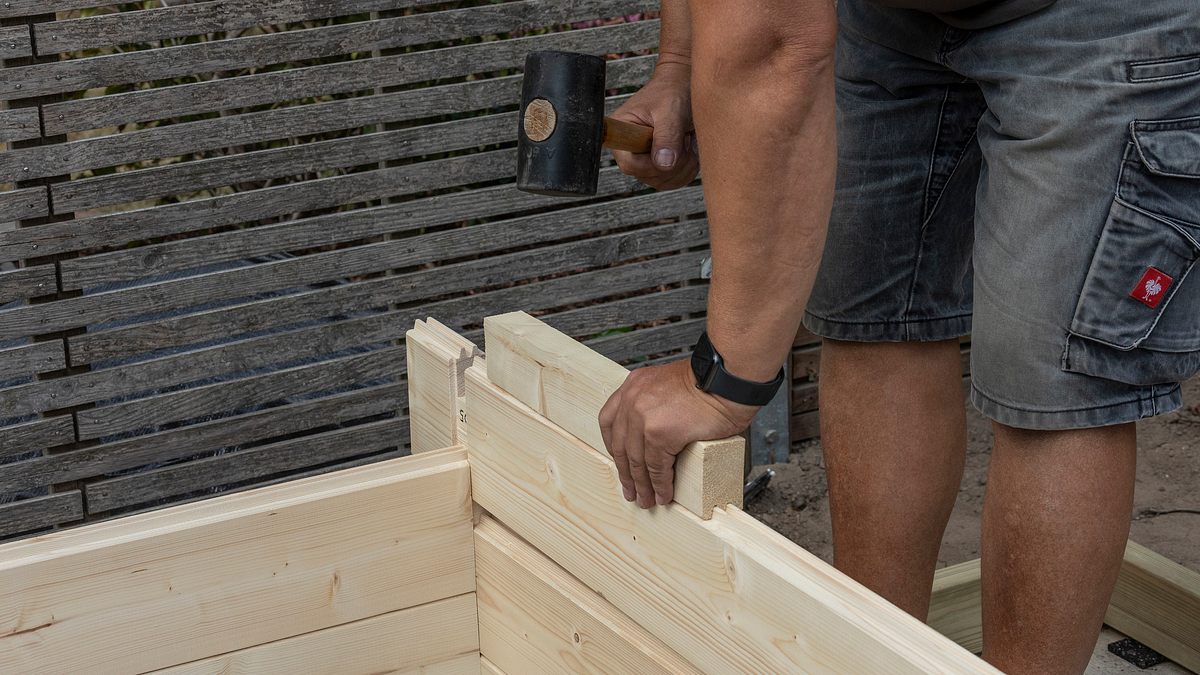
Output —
(1152, 288)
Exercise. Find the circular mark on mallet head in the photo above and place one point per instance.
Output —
(540, 119)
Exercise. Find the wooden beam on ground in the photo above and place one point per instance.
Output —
(1156, 602)
(568, 384)
(408, 639)
(534, 617)
(437, 357)
(188, 582)
(729, 594)
(955, 610)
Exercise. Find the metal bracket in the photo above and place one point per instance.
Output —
(770, 432)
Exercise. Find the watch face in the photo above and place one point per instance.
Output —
(704, 361)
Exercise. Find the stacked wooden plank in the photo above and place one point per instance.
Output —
(364, 570)
(609, 586)
(222, 232)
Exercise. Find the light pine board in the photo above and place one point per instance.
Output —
(399, 641)
(568, 383)
(534, 617)
(730, 594)
(193, 581)
(437, 357)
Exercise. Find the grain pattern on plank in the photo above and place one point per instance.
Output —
(19, 204)
(415, 638)
(28, 360)
(221, 16)
(326, 266)
(360, 296)
(535, 617)
(290, 160)
(256, 89)
(112, 230)
(175, 585)
(240, 393)
(730, 594)
(15, 42)
(437, 358)
(350, 226)
(184, 441)
(39, 512)
(242, 465)
(192, 366)
(653, 340)
(19, 124)
(15, 8)
(27, 282)
(310, 43)
(954, 610)
(804, 426)
(19, 439)
(171, 256)
(1157, 602)
(568, 383)
(486, 667)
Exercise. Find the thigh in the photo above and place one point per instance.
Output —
(1088, 212)
(897, 260)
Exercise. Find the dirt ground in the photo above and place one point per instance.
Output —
(1166, 502)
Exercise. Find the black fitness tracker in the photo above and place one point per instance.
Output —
(712, 377)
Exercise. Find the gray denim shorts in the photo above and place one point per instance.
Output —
(1035, 184)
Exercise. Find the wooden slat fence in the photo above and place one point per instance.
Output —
(218, 219)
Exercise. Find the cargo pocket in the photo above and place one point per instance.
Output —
(1138, 316)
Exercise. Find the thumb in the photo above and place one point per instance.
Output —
(667, 148)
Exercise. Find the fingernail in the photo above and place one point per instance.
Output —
(660, 500)
(630, 495)
(665, 158)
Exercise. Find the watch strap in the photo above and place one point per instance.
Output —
(721, 382)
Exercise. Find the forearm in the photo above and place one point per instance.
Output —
(675, 34)
(762, 87)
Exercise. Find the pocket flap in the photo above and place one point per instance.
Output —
(1169, 147)
(1116, 306)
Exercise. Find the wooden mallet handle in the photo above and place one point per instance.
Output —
(628, 136)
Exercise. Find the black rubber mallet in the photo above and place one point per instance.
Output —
(562, 125)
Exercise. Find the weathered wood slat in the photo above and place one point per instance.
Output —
(165, 588)
(266, 277)
(649, 341)
(27, 282)
(241, 393)
(236, 357)
(22, 203)
(448, 244)
(27, 360)
(15, 42)
(19, 124)
(356, 75)
(30, 436)
(360, 296)
(292, 235)
(184, 441)
(38, 512)
(223, 16)
(14, 8)
(358, 150)
(121, 228)
(243, 465)
(262, 50)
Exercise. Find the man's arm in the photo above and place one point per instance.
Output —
(763, 103)
(762, 87)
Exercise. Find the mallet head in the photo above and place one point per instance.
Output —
(561, 123)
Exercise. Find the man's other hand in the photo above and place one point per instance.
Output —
(665, 103)
(652, 417)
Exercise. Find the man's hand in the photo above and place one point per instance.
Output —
(665, 103)
(652, 417)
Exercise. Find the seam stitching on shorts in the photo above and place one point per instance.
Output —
(937, 136)
(1138, 401)
(887, 321)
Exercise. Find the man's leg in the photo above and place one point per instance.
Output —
(1055, 522)
(893, 428)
